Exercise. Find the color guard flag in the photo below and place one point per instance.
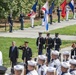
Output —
(71, 4)
(63, 8)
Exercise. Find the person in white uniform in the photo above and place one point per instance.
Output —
(73, 67)
(31, 68)
(55, 62)
(41, 61)
(64, 68)
(1, 59)
(51, 71)
(18, 69)
(66, 56)
(32, 16)
(67, 12)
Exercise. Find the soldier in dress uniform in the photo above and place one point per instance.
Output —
(27, 53)
(31, 68)
(58, 14)
(22, 20)
(49, 44)
(55, 62)
(32, 16)
(73, 51)
(50, 15)
(40, 42)
(64, 68)
(18, 69)
(73, 67)
(67, 12)
(41, 61)
(10, 21)
(57, 42)
(13, 55)
(42, 17)
(74, 14)
(66, 56)
(51, 71)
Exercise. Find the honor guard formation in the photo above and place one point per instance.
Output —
(52, 62)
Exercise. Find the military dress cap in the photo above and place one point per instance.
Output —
(56, 33)
(48, 34)
(42, 57)
(73, 61)
(2, 70)
(51, 69)
(55, 52)
(66, 53)
(26, 42)
(32, 63)
(65, 64)
(18, 67)
(40, 32)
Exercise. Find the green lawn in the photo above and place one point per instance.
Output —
(69, 30)
(5, 43)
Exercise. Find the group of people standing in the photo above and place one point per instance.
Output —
(51, 63)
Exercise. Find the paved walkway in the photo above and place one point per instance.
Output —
(33, 32)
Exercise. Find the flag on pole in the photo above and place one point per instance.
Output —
(71, 4)
(34, 6)
(46, 21)
(45, 9)
(33, 11)
(51, 8)
(45, 6)
(63, 8)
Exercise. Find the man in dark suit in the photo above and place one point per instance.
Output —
(39, 43)
(49, 44)
(10, 21)
(57, 42)
(13, 55)
(27, 53)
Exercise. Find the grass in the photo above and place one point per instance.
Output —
(5, 43)
(69, 30)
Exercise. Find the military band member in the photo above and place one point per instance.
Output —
(41, 61)
(58, 14)
(55, 62)
(49, 44)
(40, 42)
(66, 56)
(10, 21)
(73, 51)
(31, 68)
(22, 20)
(64, 68)
(18, 69)
(73, 67)
(57, 42)
(13, 55)
(51, 71)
